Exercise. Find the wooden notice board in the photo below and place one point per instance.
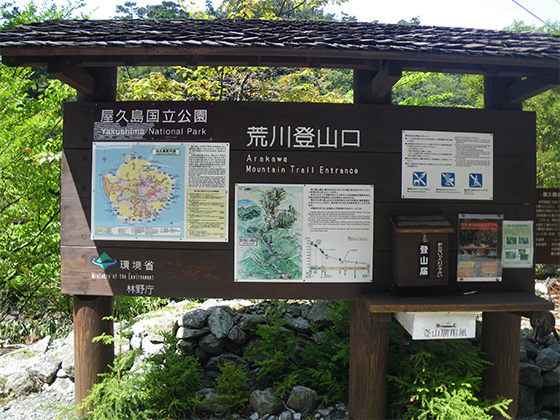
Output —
(315, 150)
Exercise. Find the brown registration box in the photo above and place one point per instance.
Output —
(420, 250)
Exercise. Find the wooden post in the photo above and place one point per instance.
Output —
(90, 358)
(369, 363)
(369, 333)
(501, 335)
(501, 330)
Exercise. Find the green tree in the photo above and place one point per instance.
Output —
(547, 109)
(165, 10)
(30, 155)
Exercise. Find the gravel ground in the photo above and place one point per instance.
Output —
(46, 405)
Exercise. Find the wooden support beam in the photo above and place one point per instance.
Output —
(385, 79)
(501, 334)
(529, 87)
(374, 87)
(369, 363)
(90, 358)
(496, 92)
(73, 76)
(91, 312)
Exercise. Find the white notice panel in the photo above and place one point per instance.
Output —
(304, 233)
(447, 165)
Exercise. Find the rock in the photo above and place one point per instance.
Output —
(195, 318)
(210, 401)
(40, 346)
(548, 398)
(523, 355)
(545, 414)
(530, 375)
(286, 415)
(552, 378)
(220, 322)
(215, 362)
(211, 344)
(250, 321)
(186, 333)
(302, 399)
(63, 386)
(547, 359)
(265, 402)
(526, 403)
(45, 368)
(22, 382)
(237, 335)
(298, 324)
(319, 313)
(151, 349)
(531, 348)
(187, 346)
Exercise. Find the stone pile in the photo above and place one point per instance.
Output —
(218, 331)
(539, 378)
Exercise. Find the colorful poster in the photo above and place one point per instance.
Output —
(518, 244)
(160, 191)
(447, 165)
(304, 233)
(480, 248)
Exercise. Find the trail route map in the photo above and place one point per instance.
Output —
(140, 191)
(304, 233)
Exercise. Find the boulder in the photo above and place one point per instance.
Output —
(302, 399)
(220, 322)
(547, 359)
(530, 375)
(195, 318)
(22, 382)
(211, 344)
(552, 378)
(265, 402)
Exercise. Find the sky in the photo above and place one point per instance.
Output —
(484, 14)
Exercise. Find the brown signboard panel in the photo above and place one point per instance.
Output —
(547, 226)
(276, 144)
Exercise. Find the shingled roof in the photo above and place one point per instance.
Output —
(355, 45)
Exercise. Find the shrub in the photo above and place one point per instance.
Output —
(438, 379)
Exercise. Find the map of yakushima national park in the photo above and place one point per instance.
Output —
(137, 191)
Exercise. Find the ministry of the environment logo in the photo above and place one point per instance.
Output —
(104, 261)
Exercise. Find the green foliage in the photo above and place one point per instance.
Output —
(164, 386)
(11, 15)
(165, 10)
(438, 379)
(129, 307)
(232, 388)
(271, 355)
(30, 154)
(283, 361)
(325, 362)
(276, 9)
(436, 89)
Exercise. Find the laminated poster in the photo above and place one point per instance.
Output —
(479, 248)
(304, 233)
(518, 244)
(160, 191)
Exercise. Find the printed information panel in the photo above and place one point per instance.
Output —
(446, 165)
(304, 233)
(518, 244)
(160, 191)
(480, 248)
(547, 227)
